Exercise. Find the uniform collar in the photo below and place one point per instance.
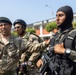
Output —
(10, 39)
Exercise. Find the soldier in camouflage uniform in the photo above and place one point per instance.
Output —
(31, 53)
(10, 46)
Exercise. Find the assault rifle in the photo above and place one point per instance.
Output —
(48, 67)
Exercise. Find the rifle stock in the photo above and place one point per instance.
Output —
(48, 66)
(44, 66)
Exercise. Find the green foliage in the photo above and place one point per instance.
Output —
(14, 33)
(74, 24)
(51, 26)
(31, 30)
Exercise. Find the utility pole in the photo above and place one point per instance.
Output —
(51, 11)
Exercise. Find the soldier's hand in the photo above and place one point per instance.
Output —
(47, 43)
(39, 63)
(59, 48)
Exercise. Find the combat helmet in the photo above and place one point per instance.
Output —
(22, 22)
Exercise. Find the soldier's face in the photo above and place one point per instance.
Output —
(5, 29)
(60, 17)
(18, 28)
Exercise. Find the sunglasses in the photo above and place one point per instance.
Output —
(17, 27)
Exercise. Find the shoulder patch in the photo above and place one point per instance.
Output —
(74, 30)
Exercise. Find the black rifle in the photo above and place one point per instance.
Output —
(48, 67)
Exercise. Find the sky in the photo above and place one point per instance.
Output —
(32, 10)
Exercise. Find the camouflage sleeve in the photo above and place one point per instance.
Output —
(34, 56)
(39, 47)
(72, 55)
(34, 39)
(34, 47)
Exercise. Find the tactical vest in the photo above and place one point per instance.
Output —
(65, 65)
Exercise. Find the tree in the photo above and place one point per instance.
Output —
(31, 30)
(14, 33)
(51, 26)
(74, 24)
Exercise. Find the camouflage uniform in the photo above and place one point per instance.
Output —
(31, 40)
(9, 55)
(32, 52)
